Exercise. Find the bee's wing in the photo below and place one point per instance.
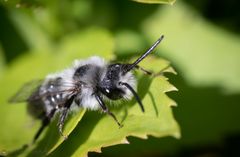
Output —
(26, 91)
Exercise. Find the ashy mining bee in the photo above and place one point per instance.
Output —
(87, 84)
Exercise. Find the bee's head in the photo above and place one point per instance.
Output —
(110, 84)
(118, 81)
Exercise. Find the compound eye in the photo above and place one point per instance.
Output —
(112, 93)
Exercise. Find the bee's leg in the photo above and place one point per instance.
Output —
(45, 121)
(63, 116)
(106, 110)
(61, 121)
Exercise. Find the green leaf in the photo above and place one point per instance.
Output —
(35, 66)
(156, 1)
(96, 131)
(93, 130)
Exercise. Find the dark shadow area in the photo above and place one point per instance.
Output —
(121, 14)
(229, 147)
(10, 39)
(124, 116)
(204, 113)
(50, 138)
(154, 103)
(88, 122)
(223, 13)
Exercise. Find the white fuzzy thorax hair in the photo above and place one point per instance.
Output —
(86, 96)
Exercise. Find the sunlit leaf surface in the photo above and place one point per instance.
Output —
(96, 131)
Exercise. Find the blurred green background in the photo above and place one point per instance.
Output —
(202, 41)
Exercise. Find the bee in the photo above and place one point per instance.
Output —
(87, 84)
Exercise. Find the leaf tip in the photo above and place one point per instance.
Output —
(98, 150)
(173, 103)
(170, 89)
(170, 70)
(177, 135)
(125, 141)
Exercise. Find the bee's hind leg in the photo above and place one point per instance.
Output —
(63, 116)
(106, 110)
(45, 121)
(61, 121)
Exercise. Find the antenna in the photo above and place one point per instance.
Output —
(134, 94)
(131, 66)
